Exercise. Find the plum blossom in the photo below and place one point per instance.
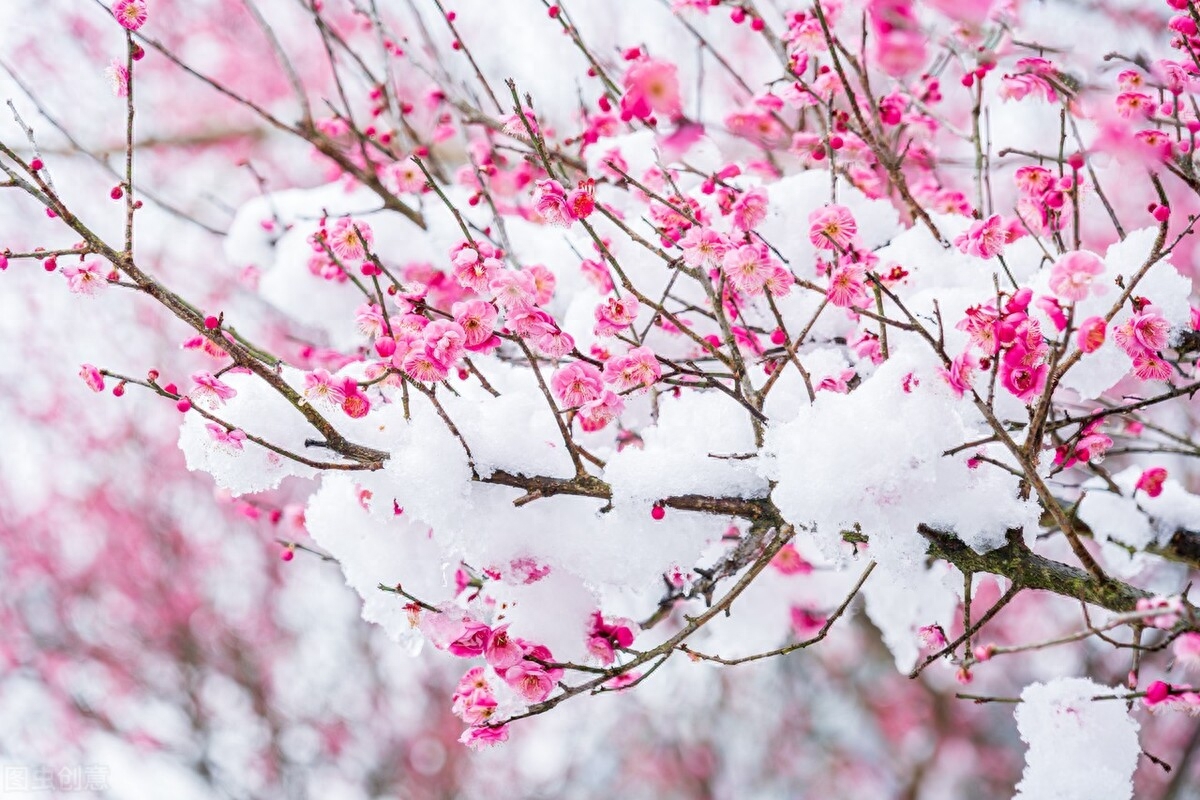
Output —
(984, 239)
(1025, 381)
(595, 414)
(530, 681)
(616, 314)
(209, 391)
(130, 13)
(1072, 275)
(513, 289)
(847, 286)
(1151, 481)
(638, 367)
(501, 650)
(832, 227)
(85, 279)
(961, 372)
(550, 202)
(749, 209)
(350, 239)
(1187, 651)
(1149, 367)
(748, 267)
(477, 319)
(606, 636)
(227, 440)
(473, 271)
(483, 736)
(322, 389)
(118, 78)
(1145, 332)
(354, 401)
(1091, 334)
(703, 248)
(651, 87)
(577, 383)
(92, 377)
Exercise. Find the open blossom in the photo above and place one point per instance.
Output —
(550, 202)
(473, 271)
(638, 367)
(1187, 651)
(512, 288)
(1026, 381)
(615, 315)
(1092, 446)
(211, 391)
(582, 201)
(228, 440)
(1091, 334)
(484, 736)
(350, 238)
(118, 78)
(1072, 275)
(961, 372)
(530, 681)
(847, 286)
(477, 318)
(577, 383)
(748, 267)
(471, 640)
(445, 340)
(85, 278)
(354, 399)
(1151, 481)
(369, 318)
(1149, 367)
(92, 377)
(544, 282)
(421, 363)
(832, 227)
(651, 86)
(703, 248)
(1148, 330)
(984, 239)
(130, 13)
(595, 414)
(501, 650)
(932, 637)
(322, 389)
(839, 382)
(750, 209)
(606, 636)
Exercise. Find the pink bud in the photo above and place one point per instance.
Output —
(211, 322)
(50, 264)
(1076, 161)
(1157, 692)
(36, 164)
(184, 405)
(385, 346)
(119, 389)
(1162, 213)
(117, 193)
(778, 337)
(658, 512)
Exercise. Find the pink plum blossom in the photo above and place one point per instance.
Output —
(832, 227)
(1072, 275)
